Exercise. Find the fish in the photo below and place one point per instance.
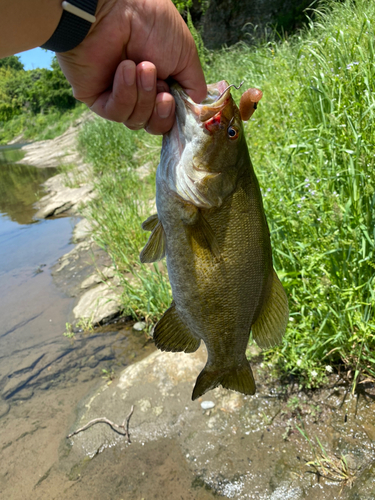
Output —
(211, 227)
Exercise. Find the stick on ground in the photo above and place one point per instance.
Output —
(122, 429)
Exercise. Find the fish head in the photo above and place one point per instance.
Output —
(205, 151)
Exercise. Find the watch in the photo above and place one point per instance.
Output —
(75, 23)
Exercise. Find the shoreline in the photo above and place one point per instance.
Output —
(85, 273)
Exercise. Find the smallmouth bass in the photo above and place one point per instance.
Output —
(210, 225)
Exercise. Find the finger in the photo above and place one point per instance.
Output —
(162, 117)
(162, 86)
(189, 74)
(146, 85)
(119, 103)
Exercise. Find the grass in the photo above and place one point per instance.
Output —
(311, 143)
(328, 465)
(123, 203)
(41, 126)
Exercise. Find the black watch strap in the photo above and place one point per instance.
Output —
(72, 28)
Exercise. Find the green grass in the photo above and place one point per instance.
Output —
(311, 143)
(123, 203)
(41, 126)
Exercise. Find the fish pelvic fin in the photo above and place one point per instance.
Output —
(271, 324)
(150, 223)
(155, 247)
(240, 379)
(171, 334)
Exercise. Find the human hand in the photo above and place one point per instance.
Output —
(120, 68)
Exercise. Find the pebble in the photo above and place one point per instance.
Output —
(139, 326)
(207, 405)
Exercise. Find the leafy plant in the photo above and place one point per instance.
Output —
(69, 333)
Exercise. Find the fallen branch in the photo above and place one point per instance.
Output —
(122, 429)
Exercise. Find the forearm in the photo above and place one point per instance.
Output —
(25, 24)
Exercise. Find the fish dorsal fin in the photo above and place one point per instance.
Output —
(171, 334)
(203, 227)
(271, 324)
(150, 223)
(155, 247)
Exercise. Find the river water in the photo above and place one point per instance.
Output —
(43, 374)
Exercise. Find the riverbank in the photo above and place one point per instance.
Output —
(86, 272)
(263, 447)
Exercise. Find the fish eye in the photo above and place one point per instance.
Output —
(232, 132)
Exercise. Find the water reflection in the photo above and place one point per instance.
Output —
(20, 188)
(11, 154)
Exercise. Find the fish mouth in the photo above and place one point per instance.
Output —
(218, 95)
(191, 116)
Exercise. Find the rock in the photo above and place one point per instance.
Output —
(104, 274)
(286, 492)
(99, 304)
(56, 152)
(236, 450)
(160, 389)
(52, 152)
(207, 405)
(61, 198)
(82, 231)
(72, 256)
(139, 326)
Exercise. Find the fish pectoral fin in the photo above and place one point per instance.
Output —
(150, 223)
(240, 378)
(155, 247)
(203, 227)
(271, 324)
(171, 334)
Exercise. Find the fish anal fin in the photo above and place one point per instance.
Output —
(150, 223)
(240, 379)
(155, 247)
(271, 324)
(171, 334)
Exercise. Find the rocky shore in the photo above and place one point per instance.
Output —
(86, 272)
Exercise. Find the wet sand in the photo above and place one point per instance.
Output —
(33, 431)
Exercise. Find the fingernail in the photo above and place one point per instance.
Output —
(148, 79)
(164, 108)
(129, 73)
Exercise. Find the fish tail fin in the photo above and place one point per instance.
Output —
(240, 378)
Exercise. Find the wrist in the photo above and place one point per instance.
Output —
(74, 25)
